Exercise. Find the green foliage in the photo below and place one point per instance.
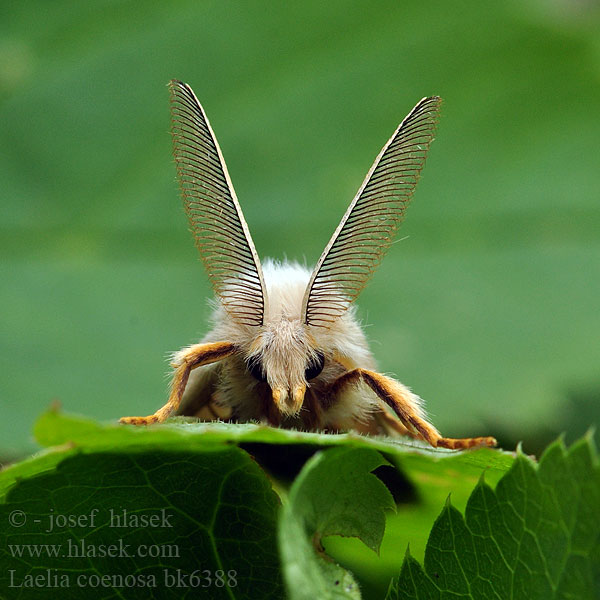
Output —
(225, 514)
(334, 494)
(536, 536)
(192, 493)
(208, 511)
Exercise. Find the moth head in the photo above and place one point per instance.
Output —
(286, 357)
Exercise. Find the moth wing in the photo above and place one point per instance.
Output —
(217, 222)
(368, 226)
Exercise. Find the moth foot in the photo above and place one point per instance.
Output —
(139, 420)
(463, 443)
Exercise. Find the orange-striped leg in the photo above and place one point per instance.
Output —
(406, 406)
(387, 422)
(193, 357)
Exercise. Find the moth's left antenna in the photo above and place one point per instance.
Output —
(217, 222)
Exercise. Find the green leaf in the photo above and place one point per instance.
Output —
(93, 464)
(429, 478)
(415, 584)
(335, 493)
(537, 535)
(187, 522)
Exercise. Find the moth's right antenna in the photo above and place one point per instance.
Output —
(215, 216)
(367, 229)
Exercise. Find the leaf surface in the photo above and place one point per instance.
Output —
(335, 493)
(537, 535)
(182, 464)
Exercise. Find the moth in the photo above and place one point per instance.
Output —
(286, 346)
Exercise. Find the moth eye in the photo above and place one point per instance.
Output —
(256, 369)
(315, 367)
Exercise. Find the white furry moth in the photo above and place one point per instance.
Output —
(286, 347)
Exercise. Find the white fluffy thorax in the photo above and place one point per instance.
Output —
(283, 334)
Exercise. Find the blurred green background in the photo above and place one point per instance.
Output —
(489, 309)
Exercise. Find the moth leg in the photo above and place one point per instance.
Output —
(312, 413)
(211, 411)
(191, 358)
(386, 422)
(406, 406)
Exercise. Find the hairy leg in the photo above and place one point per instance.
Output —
(193, 357)
(388, 422)
(406, 407)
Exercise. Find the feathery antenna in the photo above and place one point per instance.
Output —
(220, 230)
(367, 229)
